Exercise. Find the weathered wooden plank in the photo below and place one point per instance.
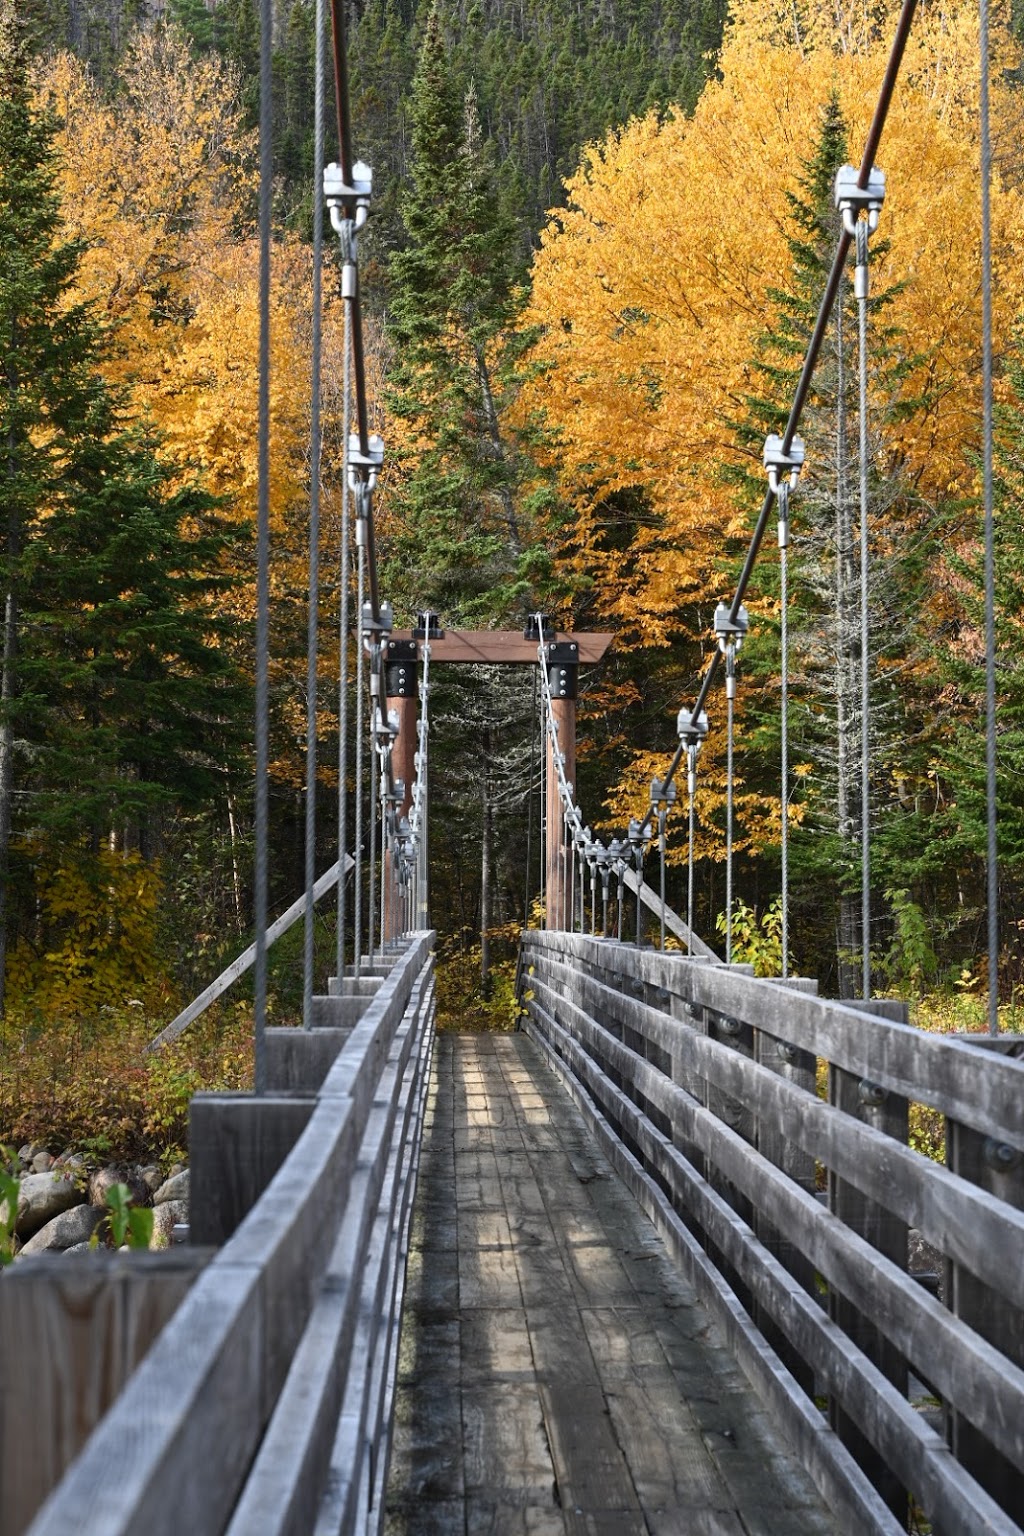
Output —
(298, 1060)
(999, 1170)
(237, 1143)
(71, 1333)
(282, 1492)
(957, 1361)
(192, 1414)
(951, 1074)
(963, 1222)
(887, 1113)
(856, 1506)
(487, 647)
(911, 1448)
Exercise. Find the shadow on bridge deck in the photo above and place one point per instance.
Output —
(556, 1372)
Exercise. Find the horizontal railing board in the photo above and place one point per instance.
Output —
(915, 1451)
(282, 1492)
(959, 1218)
(960, 1364)
(194, 1411)
(855, 1504)
(925, 1068)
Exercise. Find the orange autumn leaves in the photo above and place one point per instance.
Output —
(651, 288)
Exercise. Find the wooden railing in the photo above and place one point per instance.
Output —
(265, 1403)
(765, 1131)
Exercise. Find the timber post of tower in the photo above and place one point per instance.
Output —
(563, 655)
(563, 673)
(400, 686)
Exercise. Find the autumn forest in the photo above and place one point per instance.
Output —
(600, 232)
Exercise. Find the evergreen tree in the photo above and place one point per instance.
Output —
(455, 533)
(113, 693)
(825, 721)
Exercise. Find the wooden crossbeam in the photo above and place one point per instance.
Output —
(496, 646)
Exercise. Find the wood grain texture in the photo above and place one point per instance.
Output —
(574, 1344)
(193, 1414)
(486, 647)
(955, 1075)
(908, 1444)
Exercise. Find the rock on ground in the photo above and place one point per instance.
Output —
(65, 1231)
(107, 1177)
(175, 1188)
(165, 1217)
(41, 1196)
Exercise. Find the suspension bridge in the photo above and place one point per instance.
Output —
(662, 1260)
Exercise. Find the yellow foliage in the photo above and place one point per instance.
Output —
(97, 919)
(652, 285)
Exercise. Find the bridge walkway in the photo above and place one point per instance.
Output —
(556, 1374)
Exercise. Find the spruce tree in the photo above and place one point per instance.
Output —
(454, 536)
(114, 693)
(824, 573)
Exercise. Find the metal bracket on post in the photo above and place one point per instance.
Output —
(400, 669)
(563, 668)
(427, 626)
(543, 630)
(378, 628)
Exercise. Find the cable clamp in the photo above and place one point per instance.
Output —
(363, 467)
(381, 626)
(639, 837)
(692, 728)
(730, 631)
(663, 792)
(781, 463)
(852, 200)
(348, 203)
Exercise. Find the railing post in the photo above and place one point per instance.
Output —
(798, 1067)
(739, 1037)
(999, 1169)
(886, 1112)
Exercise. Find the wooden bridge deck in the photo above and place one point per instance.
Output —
(557, 1375)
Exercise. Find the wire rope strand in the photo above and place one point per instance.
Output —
(691, 778)
(991, 838)
(730, 713)
(865, 659)
(314, 522)
(360, 746)
(263, 557)
(371, 898)
(814, 346)
(343, 650)
(662, 840)
(784, 702)
(529, 805)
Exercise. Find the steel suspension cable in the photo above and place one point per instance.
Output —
(344, 577)
(783, 499)
(991, 840)
(691, 784)
(730, 712)
(360, 749)
(865, 658)
(371, 897)
(314, 523)
(812, 354)
(263, 557)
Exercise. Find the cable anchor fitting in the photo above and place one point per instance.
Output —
(853, 200)
(363, 468)
(348, 202)
(730, 633)
(379, 628)
(783, 468)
